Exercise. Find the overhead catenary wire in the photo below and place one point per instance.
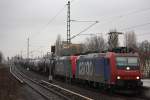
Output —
(117, 17)
(144, 34)
(136, 26)
(88, 34)
(81, 21)
(84, 30)
(54, 17)
(51, 19)
(134, 12)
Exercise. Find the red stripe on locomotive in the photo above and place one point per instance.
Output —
(73, 64)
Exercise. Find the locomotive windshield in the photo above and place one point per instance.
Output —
(127, 61)
(132, 61)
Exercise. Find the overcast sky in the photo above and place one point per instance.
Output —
(20, 19)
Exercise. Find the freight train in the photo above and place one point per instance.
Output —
(108, 69)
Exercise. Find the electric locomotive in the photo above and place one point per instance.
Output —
(125, 69)
(108, 69)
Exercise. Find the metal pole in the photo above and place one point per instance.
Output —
(113, 39)
(21, 53)
(28, 48)
(68, 24)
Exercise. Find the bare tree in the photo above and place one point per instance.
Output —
(144, 46)
(144, 52)
(95, 43)
(1, 57)
(58, 45)
(130, 40)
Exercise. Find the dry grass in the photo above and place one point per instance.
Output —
(8, 85)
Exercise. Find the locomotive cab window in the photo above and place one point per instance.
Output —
(123, 62)
(133, 61)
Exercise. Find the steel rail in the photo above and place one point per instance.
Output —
(46, 97)
(62, 92)
(20, 80)
(77, 95)
(39, 83)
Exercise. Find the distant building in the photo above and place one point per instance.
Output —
(70, 49)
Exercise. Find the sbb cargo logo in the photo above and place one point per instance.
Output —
(86, 68)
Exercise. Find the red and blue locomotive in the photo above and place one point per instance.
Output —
(107, 69)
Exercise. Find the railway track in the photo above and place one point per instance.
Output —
(70, 94)
(97, 95)
(47, 90)
(36, 86)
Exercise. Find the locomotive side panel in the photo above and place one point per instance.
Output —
(73, 65)
(107, 70)
(91, 68)
(99, 70)
(59, 68)
(63, 67)
(68, 68)
(85, 69)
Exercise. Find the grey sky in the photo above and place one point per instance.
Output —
(20, 19)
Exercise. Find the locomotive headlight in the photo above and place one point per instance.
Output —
(128, 68)
(137, 77)
(118, 77)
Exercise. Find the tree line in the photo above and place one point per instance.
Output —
(98, 43)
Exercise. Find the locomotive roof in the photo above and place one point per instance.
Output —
(93, 55)
(63, 57)
(127, 54)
